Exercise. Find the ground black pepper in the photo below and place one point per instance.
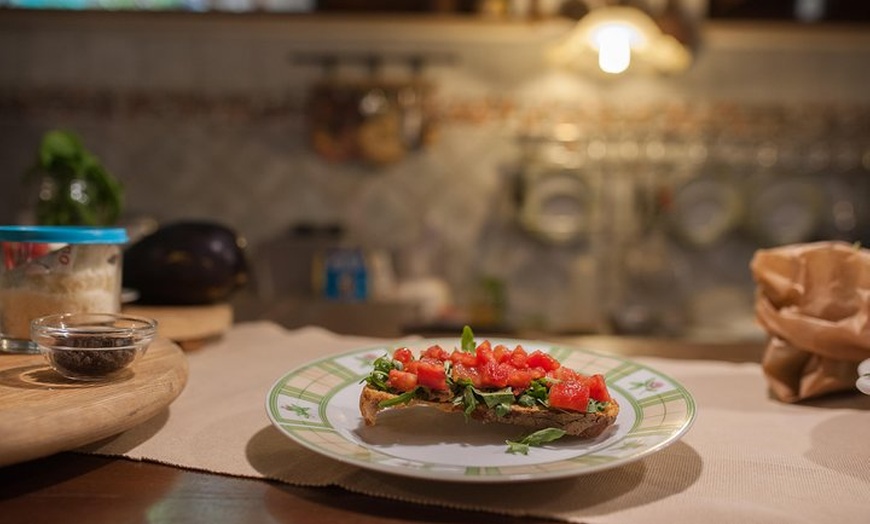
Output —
(95, 362)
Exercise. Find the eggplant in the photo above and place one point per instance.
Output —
(186, 263)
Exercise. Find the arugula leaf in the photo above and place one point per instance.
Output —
(398, 400)
(494, 398)
(500, 401)
(595, 406)
(381, 372)
(470, 397)
(538, 392)
(448, 375)
(502, 410)
(469, 400)
(386, 363)
(517, 448)
(526, 400)
(467, 340)
(538, 438)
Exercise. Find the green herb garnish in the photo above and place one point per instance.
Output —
(381, 372)
(448, 375)
(538, 392)
(470, 397)
(398, 400)
(500, 401)
(467, 340)
(595, 406)
(526, 401)
(494, 398)
(469, 400)
(538, 438)
(502, 410)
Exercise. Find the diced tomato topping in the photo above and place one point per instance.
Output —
(462, 372)
(431, 374)
(463, 357)
(401, 380)
(501, 353)
(598, 388)
(570, 395)
(495, 374)
(495, 368)
(484, 353)
(520, 379)
(435, 352)
(519, 358)
(403, 355)
(539, 359)
(563, 374)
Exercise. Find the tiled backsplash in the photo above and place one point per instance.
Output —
(664, 175)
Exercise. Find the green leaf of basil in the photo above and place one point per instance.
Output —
(467, 340)
(494, 398)
(381, 372)
(469, 400)
(538, 438)
(517, 448)
(595, 406)
(398, 400)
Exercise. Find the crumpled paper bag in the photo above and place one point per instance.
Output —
(814, 301)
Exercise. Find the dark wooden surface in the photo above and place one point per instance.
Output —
(73, 487)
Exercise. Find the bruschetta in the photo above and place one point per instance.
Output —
(491, 383)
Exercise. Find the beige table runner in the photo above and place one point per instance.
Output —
(747, 459)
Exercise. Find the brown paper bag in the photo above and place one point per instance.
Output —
(814, 301)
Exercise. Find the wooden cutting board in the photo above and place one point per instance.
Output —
(42, 413)
(188, 326)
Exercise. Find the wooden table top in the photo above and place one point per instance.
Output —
(71, 487)
(74, 487)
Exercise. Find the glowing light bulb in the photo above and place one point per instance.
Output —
(620, 37)
(614, 48)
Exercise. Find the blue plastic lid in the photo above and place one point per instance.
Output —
(64, 234)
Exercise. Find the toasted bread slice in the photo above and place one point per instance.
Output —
(584, 425)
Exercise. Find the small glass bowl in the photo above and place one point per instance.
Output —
(92, 346)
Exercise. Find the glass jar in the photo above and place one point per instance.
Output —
(56, 269)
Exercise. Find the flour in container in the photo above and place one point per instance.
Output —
(73, 278)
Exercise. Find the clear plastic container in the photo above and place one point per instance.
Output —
(56, 269)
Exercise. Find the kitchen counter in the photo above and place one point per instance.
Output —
(396, 319)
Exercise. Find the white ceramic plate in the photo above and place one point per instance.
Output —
(317, 405)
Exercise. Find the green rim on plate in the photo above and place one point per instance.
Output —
(316, 405)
